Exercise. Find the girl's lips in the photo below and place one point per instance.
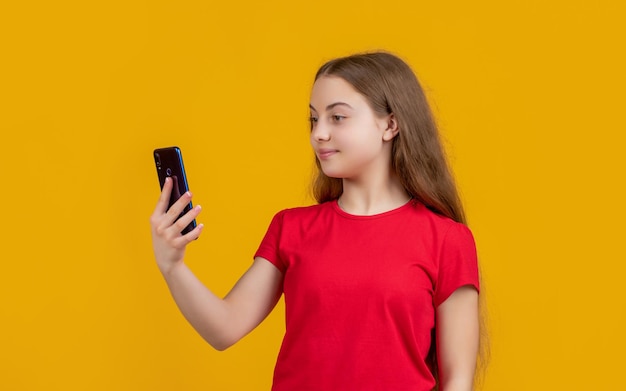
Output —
(325, 153)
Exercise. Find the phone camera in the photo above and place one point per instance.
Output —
(168, 172)
(157, 158)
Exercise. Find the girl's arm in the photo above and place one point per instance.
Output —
(221, 322)
(457, 339)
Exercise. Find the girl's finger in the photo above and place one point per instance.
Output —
(189, 237)
(177, 208)
(164, 198)
(187, 218)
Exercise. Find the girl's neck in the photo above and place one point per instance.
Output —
(374, 197)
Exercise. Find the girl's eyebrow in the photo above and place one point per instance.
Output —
(331, 106)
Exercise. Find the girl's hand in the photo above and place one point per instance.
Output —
(168, 243)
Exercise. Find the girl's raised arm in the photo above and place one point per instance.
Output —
(221, 322)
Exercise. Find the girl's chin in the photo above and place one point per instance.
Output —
(333, 174)
(333, 171)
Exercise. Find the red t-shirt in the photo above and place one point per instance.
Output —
(361, 292)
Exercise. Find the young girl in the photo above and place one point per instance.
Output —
(381, 277)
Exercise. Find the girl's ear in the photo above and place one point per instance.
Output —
(392, 128)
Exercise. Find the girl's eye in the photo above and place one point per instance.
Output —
(312, 121)
(338, 118)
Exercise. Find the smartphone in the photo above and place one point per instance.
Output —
(169, 163)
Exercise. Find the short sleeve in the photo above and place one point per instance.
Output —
(269, 247)
(458, 263)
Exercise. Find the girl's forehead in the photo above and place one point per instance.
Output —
(328, 89)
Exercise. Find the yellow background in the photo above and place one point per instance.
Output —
(530, 98)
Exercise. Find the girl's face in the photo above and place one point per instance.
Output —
(349, 139)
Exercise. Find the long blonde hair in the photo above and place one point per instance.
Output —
(418, 158)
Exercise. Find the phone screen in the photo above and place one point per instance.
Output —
(169, 163)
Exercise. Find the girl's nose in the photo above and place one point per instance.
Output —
(320, 132)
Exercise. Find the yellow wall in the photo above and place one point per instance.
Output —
(530, 97)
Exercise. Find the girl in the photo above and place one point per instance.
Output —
(381, 277)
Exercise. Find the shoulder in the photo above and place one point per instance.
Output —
(441, 230)
(304, 212)
(301, 215)
(430, 218)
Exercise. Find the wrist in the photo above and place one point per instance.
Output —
(171, 269)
